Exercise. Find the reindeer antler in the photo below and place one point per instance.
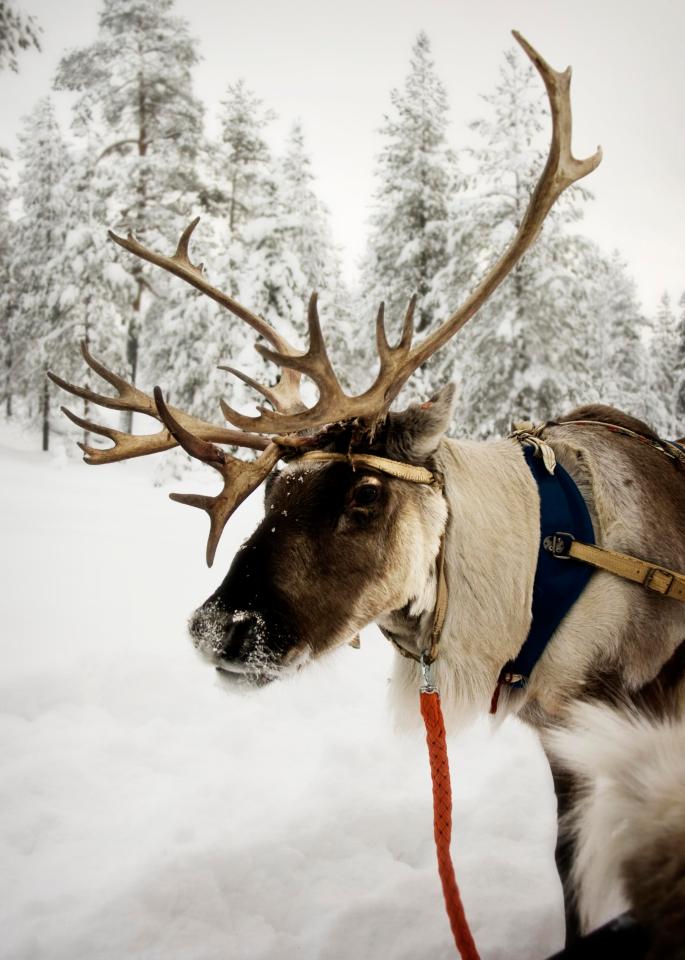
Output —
(127, 445)
(289, 414)
(197, 437)
(240, 477)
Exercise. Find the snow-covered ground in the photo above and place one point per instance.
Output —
(145, 812)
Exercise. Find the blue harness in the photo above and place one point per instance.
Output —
(559, 581)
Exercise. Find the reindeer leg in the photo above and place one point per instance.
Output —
(565, 789)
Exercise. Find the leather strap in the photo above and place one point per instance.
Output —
(395, 468)
(661, 580)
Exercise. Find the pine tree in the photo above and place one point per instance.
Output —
(95, 285)
(7, 291)
(195, 334)
(243, 154)
(408, 242)
(136, 91)
(17, 32)
(527, 354)
(310, 237)
(680, 371)
(41, 328)
(664, 366)
(621, 364)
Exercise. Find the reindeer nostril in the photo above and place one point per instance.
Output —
(207, 625)
(238, 640)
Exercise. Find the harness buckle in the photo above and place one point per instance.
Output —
(658, 580)
(559, 545)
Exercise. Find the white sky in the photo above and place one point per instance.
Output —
(332, 64)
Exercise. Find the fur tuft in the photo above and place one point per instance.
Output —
(629, 821)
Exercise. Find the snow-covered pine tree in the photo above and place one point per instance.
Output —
(308, 234)
(196, 334)
(7, 292)
(242, 156)
(135, 90)
(95, 285)
(18, 31)
(528, 352)
(620, 363)
(664, 357)
(41, 326)
(680, 371)
(408, 240)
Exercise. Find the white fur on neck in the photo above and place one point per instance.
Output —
(492, 542)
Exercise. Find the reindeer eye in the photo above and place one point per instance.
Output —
(367, 494)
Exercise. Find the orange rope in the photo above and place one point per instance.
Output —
(442, 821)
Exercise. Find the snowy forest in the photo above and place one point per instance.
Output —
(566, 327)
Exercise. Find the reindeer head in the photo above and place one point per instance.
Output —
(353, 522)
(342, 542)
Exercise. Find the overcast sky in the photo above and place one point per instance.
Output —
(332, 64)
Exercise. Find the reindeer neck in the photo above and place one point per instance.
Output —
(490, 556)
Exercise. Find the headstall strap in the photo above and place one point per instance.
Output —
(394, 468)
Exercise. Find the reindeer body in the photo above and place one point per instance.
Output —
(620, 649)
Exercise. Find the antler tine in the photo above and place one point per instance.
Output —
(240, 477)
(408, 326)
(129, 397)
(282, 397)
(316, 365)
(390, 357)
(126, 445)
(382, 344)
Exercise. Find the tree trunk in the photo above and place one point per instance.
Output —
(133, 342)
(46, 412)
(86, 340)
(132, 354)
(8, 382)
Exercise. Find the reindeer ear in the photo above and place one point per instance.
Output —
(414, 433)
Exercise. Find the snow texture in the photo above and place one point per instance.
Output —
(148, 812)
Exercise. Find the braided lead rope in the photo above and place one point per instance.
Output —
(442, 816)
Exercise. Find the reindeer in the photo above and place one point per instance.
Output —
(377, 516)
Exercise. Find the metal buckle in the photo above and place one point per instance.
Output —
(427, 686)
(651, 573)
(559, 544)
(513, 679)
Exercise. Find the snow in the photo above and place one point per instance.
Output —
(147, 812)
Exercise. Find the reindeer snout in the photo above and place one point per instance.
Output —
(224, 635)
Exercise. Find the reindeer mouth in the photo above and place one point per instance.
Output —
(244, 675)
